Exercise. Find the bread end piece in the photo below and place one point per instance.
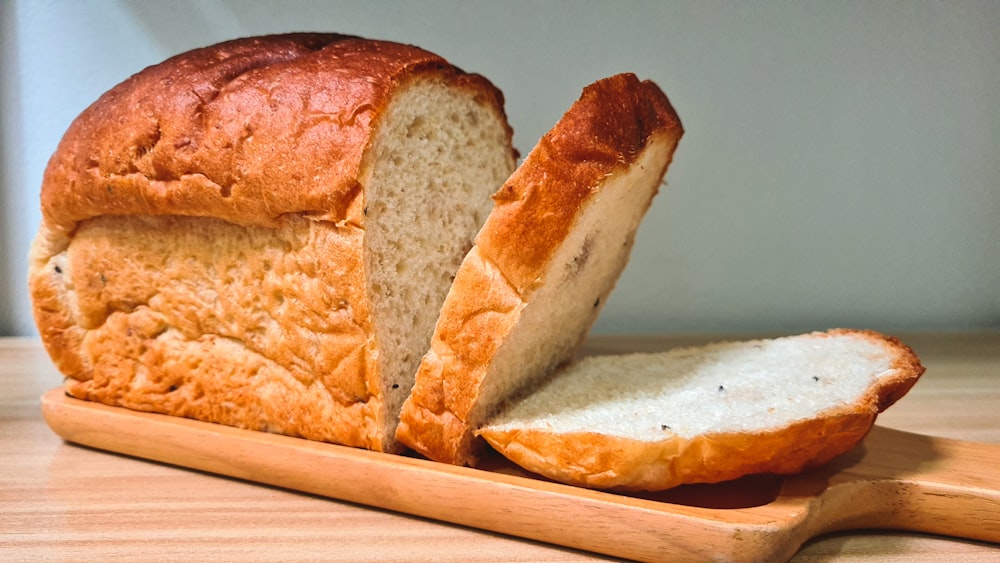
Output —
(726, 430)
(543, 265)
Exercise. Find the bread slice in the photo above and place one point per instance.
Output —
(543, 265)
(706, 414)
(261, 233)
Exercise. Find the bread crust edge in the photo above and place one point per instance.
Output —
(596, 460)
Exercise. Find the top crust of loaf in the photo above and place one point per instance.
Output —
(616, 124)
(601, 457)
(190, 136)
(614, 120)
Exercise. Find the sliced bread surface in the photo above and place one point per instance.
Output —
(544, 263)
(260, 233)
(706, 414)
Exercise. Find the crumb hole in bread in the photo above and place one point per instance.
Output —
(146, 143)
(416, 128)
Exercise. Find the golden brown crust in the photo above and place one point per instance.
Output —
(597, 460)
(244, 131)
(246, 326)
(477, 315)
(906, 363)
(258, 144)
(604, 132)
(53, 317)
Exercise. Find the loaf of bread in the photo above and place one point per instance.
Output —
(706, 414)
(280, 233)
(261, 233)
(543, 264)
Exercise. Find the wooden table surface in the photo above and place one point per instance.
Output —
(60, 502)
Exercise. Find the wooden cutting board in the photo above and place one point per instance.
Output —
(894, 480)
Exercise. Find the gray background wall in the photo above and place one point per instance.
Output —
(841, 165)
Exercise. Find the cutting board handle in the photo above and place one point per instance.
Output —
(900, 480)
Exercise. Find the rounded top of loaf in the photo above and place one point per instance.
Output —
(605, 131)
(246, 131)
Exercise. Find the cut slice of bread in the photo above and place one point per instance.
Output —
(260, 233)
(706, 414)
(543, 265)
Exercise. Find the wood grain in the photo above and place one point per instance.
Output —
(894, 479)
(61, 500)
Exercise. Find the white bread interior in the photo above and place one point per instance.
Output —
(706, 414)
